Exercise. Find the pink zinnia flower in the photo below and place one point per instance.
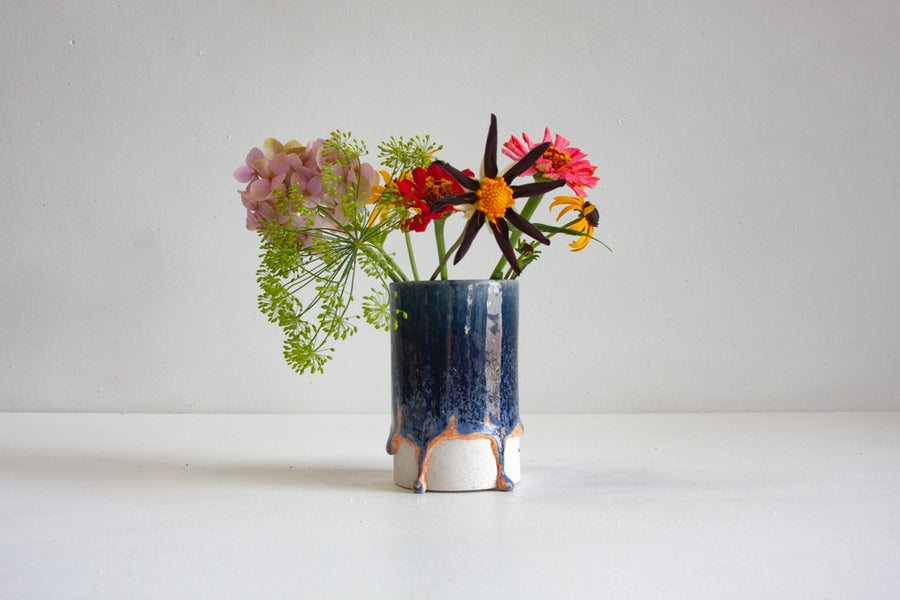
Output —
(559, 161)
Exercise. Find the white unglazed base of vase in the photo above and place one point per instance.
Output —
(459, 465)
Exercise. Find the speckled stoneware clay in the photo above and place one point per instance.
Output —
(455, 402)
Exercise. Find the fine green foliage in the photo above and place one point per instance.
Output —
(402, 155)
(308, 273)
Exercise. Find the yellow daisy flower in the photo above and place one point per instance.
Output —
(585, 225)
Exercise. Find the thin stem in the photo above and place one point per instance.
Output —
(384, 260)
(515, 234)
(510, 274)
(550, 234)
(412, 255)
(439, 239)
(393, 264)
(447, 254)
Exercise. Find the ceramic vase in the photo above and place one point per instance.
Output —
(454, 385)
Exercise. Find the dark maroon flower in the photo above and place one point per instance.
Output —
(492, 197)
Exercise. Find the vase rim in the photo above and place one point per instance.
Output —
(456, 282)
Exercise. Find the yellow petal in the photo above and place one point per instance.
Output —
(565, 200)
(563, 211)
(581, 243)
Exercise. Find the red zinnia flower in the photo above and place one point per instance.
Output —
(559, 161)
(426, 187)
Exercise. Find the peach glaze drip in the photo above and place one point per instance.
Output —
(423, 451)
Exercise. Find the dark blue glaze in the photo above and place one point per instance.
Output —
(455, 354)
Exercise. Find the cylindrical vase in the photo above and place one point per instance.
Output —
(454, 385)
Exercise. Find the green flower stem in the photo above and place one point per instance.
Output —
(510, 274)
(526, 213)
(384, 260)
(398, 272)
(412, 255)
(566, 226)
(442, 252)
(447, 254)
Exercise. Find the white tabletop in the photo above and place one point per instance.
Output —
(610, 506)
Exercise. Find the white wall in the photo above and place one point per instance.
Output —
(749, 164)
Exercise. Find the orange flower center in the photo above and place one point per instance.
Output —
(435, 189)
(494, 197)
(557, 158)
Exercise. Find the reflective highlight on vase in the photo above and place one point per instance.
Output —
(454, 362)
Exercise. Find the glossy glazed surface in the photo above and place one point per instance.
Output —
(454, 368)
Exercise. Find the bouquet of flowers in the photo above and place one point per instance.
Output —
(323, 216)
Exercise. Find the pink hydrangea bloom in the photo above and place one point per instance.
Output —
(269, 173)
(559, 161)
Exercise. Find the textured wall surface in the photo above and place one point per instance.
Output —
(748, 162)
